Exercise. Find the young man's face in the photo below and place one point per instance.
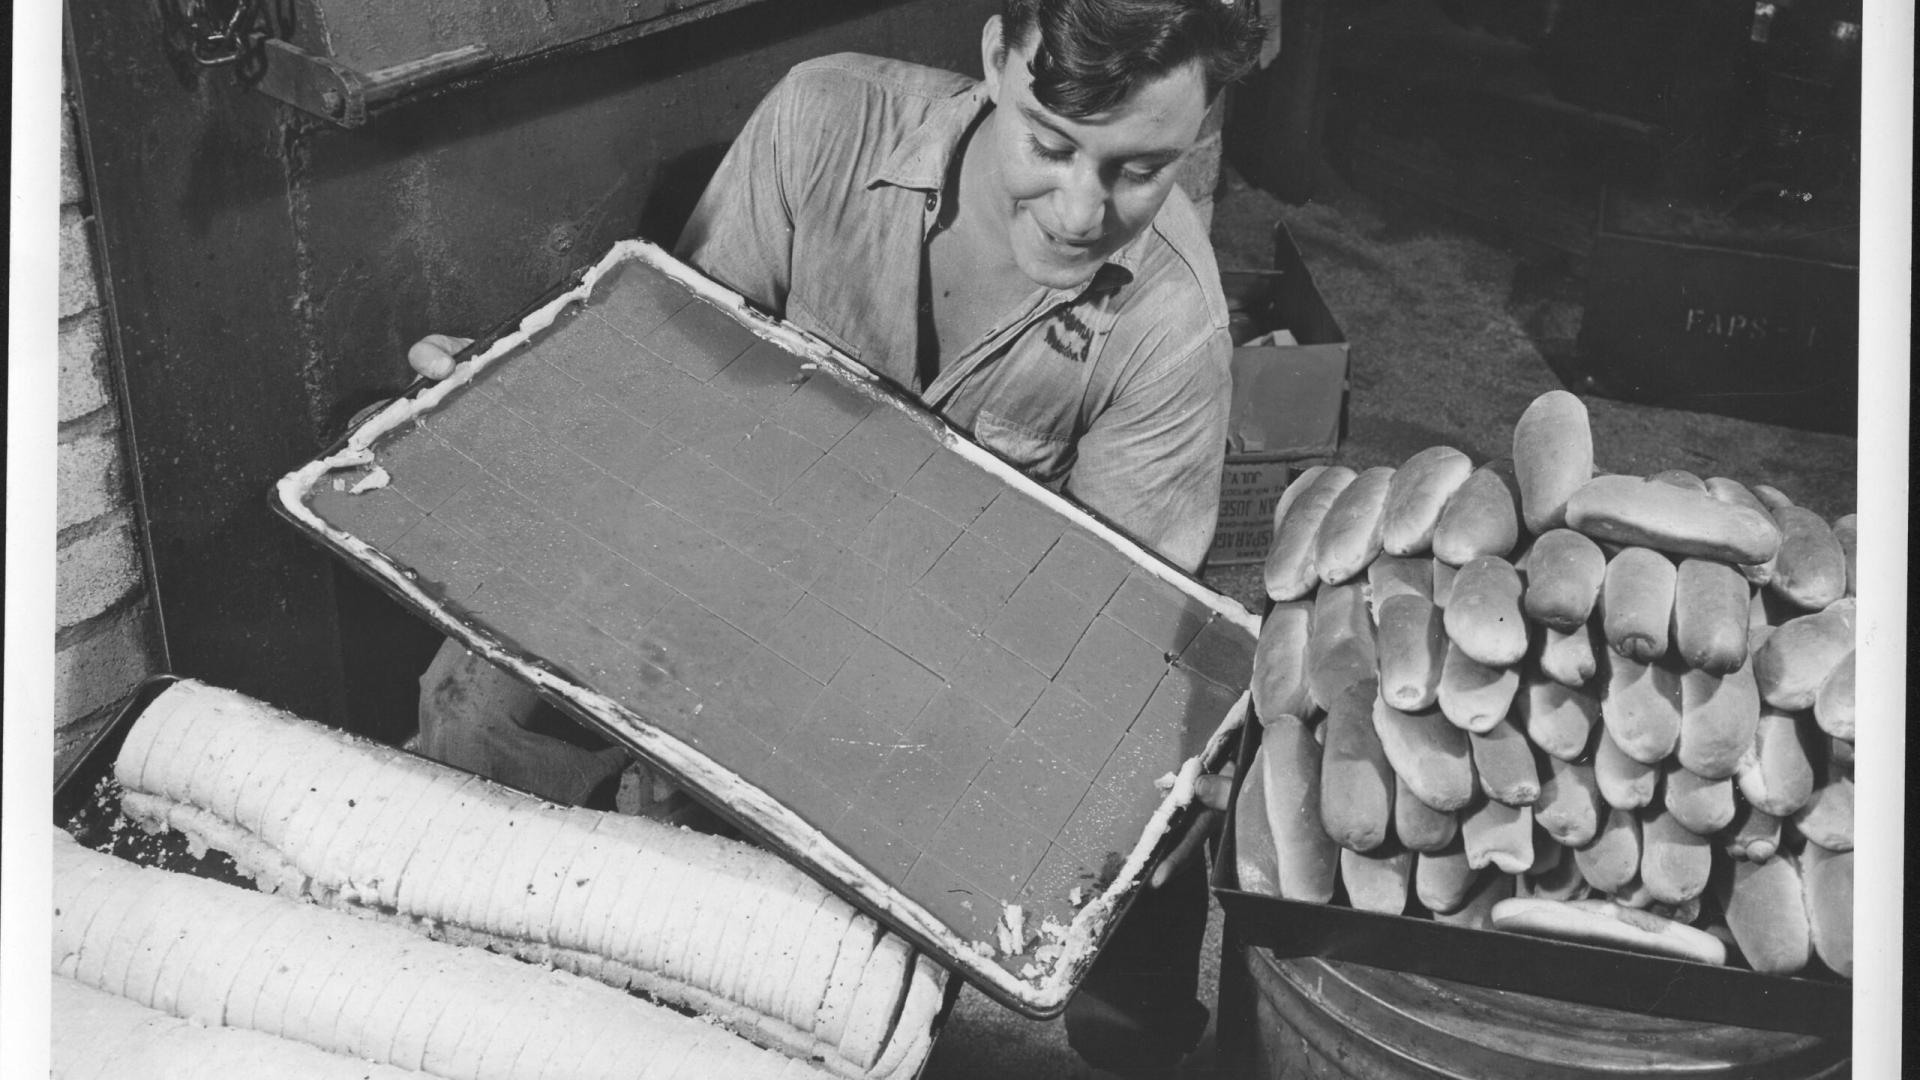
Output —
(1072, 192)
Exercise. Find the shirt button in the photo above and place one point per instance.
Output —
(932, 201)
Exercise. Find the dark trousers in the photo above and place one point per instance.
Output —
(1138, 1006)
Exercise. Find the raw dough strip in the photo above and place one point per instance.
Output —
(635, 871)
(102, 1035)
(319, 959)
(749, 1024)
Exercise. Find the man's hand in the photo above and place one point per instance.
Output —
(1212, 792)
(432, 355)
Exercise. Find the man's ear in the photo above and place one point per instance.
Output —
(993, 55)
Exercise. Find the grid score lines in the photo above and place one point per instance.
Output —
(938, 671)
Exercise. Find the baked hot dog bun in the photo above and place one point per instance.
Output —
(1600, 922)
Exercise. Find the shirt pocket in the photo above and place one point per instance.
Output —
(1044, 456)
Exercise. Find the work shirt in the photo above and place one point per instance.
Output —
(1115, 392)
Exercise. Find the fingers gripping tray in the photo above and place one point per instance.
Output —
(959, 700)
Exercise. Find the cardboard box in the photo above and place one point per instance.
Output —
(1289, 401)
(1722, 324)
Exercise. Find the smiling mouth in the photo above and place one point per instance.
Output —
(1061, 242)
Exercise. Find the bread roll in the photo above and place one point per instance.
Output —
(1305, 851)
(1289, 572)
(1776, 775)
(1607, 924)
(1480, 519)
(1498, 835)
(1674, 860)
(1846, 532)
(1766, 909)
(1356, 783)
(1625, 784)
(1570, 807)
(1411, 648)
(1503, 760)
(1483, 617)
(1552, 457)
(1833, 702)
(1340, 645)
(1442, 879)
(1732, 491)
(1555, 718)
(1570, 658)
(1612, 860)
(1377, 880)
(1718, 715)
(1827, 818)
(1416, 825)
(1640, 513)
(1636, 604)
(1710, 615)
(1349, 534)
(1641, 709)
(1703, 806)
(1472, 695)
(1280, 662)
(1811, 568)
(1417, 494)
(1799, 654)
(1827, 880)
(1564, 574)
(1390, 575)
(1428, 754)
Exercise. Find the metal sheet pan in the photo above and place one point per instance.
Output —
(1071, 611)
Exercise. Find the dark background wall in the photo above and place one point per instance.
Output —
(265, 273)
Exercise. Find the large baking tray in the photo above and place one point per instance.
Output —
(1589, 974)
(86, 805)
(938, 687)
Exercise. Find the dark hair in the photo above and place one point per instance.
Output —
(1090, 54)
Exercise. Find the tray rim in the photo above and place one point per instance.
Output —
(1530, 965)
(1041, 998)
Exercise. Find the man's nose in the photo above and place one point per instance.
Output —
(1081, 203)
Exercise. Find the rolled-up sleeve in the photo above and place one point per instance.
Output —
(741, 231)
(1150, 462)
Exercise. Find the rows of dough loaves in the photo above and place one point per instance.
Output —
(221, 956)
(1543, 683)
(704, 923)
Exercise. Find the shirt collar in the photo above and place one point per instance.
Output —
(921, 160)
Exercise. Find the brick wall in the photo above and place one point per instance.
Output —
(106, 639)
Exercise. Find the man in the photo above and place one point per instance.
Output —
(1014, 253)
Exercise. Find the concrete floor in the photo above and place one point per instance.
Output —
(1452, 335)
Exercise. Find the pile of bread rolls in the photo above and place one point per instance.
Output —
(1525, 696)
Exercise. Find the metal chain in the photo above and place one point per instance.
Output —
(219, 31)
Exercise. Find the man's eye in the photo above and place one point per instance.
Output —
(1048, 153)
(1143, 176)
